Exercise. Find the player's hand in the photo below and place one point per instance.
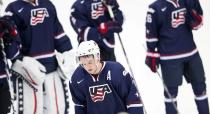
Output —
(152, 61)
(109, 27)
(196, 20)
(8, 29)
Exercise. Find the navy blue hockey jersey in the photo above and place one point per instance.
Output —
(12, 51)
(86, 16)
(111, 92)
(40, 30)
(168, 28)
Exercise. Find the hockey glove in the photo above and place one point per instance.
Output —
(67, 63)
(152, 61)
(196, 20)
(31, 69)
(109, 27)
(8, 29)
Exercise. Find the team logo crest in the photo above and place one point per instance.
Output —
(38, 15)
(98, 92)
(178, 17)
(97, 9)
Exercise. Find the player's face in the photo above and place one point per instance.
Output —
(89, 63)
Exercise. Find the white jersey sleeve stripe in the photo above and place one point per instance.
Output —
(79, 105)
(86, 33)
(60, 36)
(3, 76)
(16, 54)
(108, 44)
(151, 39)
(200, 98)
(168, 100)
(134, 105)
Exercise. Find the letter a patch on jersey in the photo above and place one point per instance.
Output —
(38, 15)
(98, 92)
(108, 75)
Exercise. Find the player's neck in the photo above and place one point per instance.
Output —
(99, 68)
(32, 1)
(175, 1)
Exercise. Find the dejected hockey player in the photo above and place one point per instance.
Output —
(169, 26)
(102, 87)
(9, 49)
(43, 87)
(91, 21)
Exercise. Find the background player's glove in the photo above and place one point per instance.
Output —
(152, 60)
(109, 27)
(8, 29)
(196, 20)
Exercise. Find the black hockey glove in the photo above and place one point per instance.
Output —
(152, 61)
(109, 27)
(8, 30)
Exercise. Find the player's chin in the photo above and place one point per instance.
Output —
(91, 71)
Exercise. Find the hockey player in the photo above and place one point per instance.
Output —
(43, 88)
(102, 87)
(169, 39)
(10, 46)
(91, 21)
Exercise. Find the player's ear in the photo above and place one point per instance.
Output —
(99, 58)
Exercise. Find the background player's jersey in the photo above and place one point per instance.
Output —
(111, 92)
(168, 28)
(40, 30)
(12, 51)
(86, 16)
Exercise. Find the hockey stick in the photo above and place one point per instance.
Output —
(11, 89)
(167, 92)
(164, 86)
(124, 52)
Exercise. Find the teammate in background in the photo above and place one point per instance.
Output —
(11, 44)
(91, 21)
(169, 39)
(102, 87)
(43, 88)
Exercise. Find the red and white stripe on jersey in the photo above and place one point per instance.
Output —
(43, 55)
(178, 56)
(3, 75)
